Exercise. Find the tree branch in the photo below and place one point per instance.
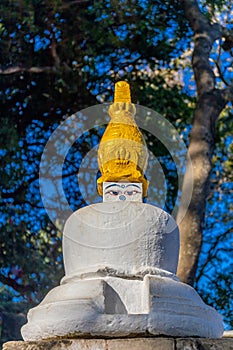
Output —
(75, 2)
(36, 70)
(15, 285)
(205, 34)
(221, 74)
(198, 21)
(228, 35)
(211, 253)
(227, 93)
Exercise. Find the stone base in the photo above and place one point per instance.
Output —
(124, 344)
(117, 307)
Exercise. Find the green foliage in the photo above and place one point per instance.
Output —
(218, 293)
(21, 252)
(214, 277)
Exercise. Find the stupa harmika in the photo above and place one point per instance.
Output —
(121, 255)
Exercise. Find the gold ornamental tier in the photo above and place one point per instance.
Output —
(122, 153)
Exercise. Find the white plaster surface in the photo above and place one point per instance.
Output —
(130, 239)
(119, 307)
(120, 263)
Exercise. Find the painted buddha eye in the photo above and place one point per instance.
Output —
(113, 193)
(131, 193)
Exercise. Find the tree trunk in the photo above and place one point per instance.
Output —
(200, 149)
(210, 102)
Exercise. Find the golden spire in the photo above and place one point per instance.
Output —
(122, 92)
(122, 153)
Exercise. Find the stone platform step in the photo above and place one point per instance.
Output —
(157, 343)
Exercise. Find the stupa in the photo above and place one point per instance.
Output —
(121, 255)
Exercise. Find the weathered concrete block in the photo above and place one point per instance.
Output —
(156, 343)
(204, 344)
(63, 344)
(142, 344)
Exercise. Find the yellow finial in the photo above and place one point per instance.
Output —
(122, 92)
(122, 153)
